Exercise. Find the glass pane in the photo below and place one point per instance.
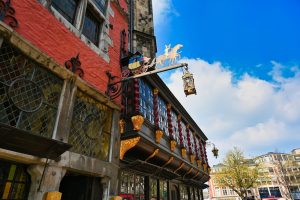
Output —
(139, 188)
(163, 190)
(153, 189)
(67, 8)
(101, 4)
(91, 27)
(146, 101)
(163, 116)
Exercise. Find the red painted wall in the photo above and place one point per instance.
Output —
(42, 29)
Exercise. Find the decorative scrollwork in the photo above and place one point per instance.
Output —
(7, 12)
(74, 65)
(114, 88)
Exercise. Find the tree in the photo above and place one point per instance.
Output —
(238, 173)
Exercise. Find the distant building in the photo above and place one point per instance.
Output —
(279, 177)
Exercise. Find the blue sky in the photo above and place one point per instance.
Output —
(245, 56)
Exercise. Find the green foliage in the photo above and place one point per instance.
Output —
(238, 173)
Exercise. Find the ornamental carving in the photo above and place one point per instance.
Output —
(205, 167)
(137, 122)
(153, 154)
(168, 162)
(158, 136)
(199, 163)
(7, 14)
(192, 158)
(181, 166)
(122, 126)
(127, 145)
(183, 152)
(173, 145)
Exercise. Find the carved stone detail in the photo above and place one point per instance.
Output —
(128, 144)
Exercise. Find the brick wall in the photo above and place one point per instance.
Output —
(46, 32)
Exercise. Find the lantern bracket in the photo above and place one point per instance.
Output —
(114, 87)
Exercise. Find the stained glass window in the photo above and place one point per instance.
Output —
(14, 181)
(146, 101)
(67, 8)
(175, 126)
(163, 116)
(91, 27)
(91, 127)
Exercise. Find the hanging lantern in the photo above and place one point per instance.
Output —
(188, 83)
(215, 151)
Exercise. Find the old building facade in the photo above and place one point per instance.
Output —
(60, 124)
(59, 130)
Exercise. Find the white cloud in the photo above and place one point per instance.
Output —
(253, 114)
(162, 9)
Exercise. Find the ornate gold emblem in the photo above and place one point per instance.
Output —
(183, 152)
(158, 135)
(122, 126)
(173, 145)
(137, 122)
(128, 144)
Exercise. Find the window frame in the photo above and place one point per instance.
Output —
(104, 41)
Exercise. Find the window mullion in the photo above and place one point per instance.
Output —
(80, 13)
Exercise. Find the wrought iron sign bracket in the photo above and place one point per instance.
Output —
(74, 65)
(114, 88)
(7, 13)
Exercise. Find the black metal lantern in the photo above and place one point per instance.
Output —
(188, 83)
(215, 151)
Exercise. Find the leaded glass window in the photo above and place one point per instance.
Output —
(29, 94)
(163, 116)
(66, 8)
(163, 189)
(183, 193)
(184, 136)
(153, 188)
(14, 181)
(132, 185)
(146, 101)
(175, 126)
(192, 142)
(90, 128)
(91, 27)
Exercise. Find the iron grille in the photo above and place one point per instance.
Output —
(90, 129)
(29, 94)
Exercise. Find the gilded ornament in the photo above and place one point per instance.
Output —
(153, 154)
(199, 163)
(122, 126)
(128, 144)
(173, 145)
(155, 91)
(168, 162)
(137, 122)
(183, 152)
(169, 106)
(209, 170)
(158, 135)
(192, 158)
(181, 165)
(205, 167)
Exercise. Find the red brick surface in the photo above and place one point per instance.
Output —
(42, 29)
